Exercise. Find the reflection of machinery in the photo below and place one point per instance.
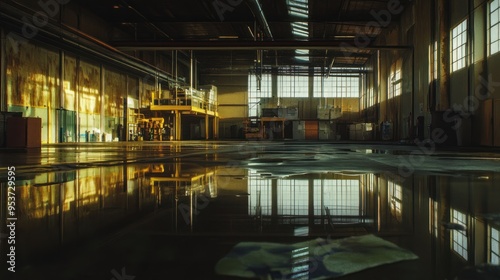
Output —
(147, 129)
(204, 99)
(185, 181)
(187, 189)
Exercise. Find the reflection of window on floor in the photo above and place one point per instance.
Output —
(396, 200)
(494, 246)
(300, 263)
(293, 197)
(371, 182)
(259, 200)
(342, 197)
(459, 237)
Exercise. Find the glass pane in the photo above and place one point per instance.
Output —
(494, 4)
(494, 18)
(494, 234)
(494, 33)
(495, 259)
(494, 47)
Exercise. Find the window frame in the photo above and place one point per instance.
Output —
(458, 44)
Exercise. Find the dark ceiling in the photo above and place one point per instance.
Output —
(227, 33)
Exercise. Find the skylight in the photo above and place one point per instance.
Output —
(300, 29)
(302, 54)
(298, 8)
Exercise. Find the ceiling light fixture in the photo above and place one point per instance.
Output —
(228, 37)
(344, 37)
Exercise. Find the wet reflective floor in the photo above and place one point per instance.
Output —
(174, 210)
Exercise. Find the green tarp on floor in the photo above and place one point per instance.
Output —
(315, 259)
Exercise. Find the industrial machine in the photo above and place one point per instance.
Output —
(147, 129)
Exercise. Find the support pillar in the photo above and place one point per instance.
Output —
(274, 85)
(206, 127)
(216, 128)
(310, 204)
(444, 54)
(178, 124)
(274, 202)
(101, 93)
(60, 116)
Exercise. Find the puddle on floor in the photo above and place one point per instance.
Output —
(166, 213)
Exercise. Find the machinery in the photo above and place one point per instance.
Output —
(147, 129)
(264, 128)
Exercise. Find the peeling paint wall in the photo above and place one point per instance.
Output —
(115, 89)
(146, 86)
(32, 84)
(86, 108)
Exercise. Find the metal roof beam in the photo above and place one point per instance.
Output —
(345, 46)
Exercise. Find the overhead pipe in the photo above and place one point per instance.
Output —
(257, 11)
(70, 39)
(330, 68)
(127, 5)
(154, 26)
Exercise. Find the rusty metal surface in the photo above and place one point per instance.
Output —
(31, 75)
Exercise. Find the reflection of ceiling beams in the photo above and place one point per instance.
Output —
(241, 58)
(344, 46)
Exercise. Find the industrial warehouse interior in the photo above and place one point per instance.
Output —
(250, 139)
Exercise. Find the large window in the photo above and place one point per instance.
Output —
(459, 237)
(338, 85)
(255, 93)
(293, 86)
(395, 80)
(342, 197)
(260, 198)
(433, 217)
(396, 200)
(494, 29)
(433, 61)
(293, 197)
(459, 46)
(371, 97)
(494, 246)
